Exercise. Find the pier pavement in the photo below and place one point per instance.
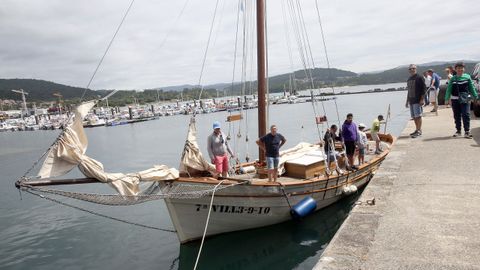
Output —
(427, 205)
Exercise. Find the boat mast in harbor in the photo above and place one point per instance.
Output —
(262, 76)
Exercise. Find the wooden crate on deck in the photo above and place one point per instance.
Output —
(305, 167)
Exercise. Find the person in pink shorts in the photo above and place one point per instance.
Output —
(217, 147)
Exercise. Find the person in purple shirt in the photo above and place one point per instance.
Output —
(350, 138)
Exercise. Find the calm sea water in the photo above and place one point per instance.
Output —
(38, 234)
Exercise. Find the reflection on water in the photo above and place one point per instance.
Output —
(282, 246)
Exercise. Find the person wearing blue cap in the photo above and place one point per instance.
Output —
(217, 147)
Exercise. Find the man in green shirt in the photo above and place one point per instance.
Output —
(459, 92)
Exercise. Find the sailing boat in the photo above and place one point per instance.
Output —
(192, 195)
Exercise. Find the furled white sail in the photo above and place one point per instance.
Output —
(69, 151)
(192, 161)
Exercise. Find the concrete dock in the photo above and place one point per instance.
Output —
(427, 205)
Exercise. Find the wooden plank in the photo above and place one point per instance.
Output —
(234, 117)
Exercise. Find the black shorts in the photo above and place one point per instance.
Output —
(350, 147)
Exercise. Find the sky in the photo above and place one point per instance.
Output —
(163, 43)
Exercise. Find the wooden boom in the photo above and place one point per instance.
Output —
(50, 182)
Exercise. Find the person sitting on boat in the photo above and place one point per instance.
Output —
(362, 143)
(329, 147)
(217, 147)
(271, 144)
(374, 133)
(350, 139)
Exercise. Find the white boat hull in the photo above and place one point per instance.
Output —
(251, 206)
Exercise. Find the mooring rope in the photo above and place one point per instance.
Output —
(206, 224)
(282, 187)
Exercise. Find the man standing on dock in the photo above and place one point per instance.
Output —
(415, 98)
(433, 89)
(271, 144)
(459, 89)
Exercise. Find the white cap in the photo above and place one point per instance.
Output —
(361, 125)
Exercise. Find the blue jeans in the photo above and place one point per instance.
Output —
(461, 111)
(416, 110)
(272, 162)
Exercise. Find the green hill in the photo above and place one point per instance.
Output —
(400, 74)
(40, 90)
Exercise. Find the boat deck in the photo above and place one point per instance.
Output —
(369, 156)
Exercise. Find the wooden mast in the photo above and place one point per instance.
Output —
(262, 76)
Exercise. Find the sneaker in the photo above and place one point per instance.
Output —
(457, 134)
(415, 132)
(468, 135)
(433, 110)
(378, 152)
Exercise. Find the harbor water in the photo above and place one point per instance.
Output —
(38, 234)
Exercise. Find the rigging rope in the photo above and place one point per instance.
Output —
(206, 52)
(98, 214)
(329, 73)
(86, 88)
(119, 200)
(236, 44)
(287, 37)
(326, 57)
(174, 24)
(251, 81)
(107, 49)
(303, 24)
(222, 11)
(302, 38)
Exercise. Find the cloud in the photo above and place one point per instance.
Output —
(63, 41)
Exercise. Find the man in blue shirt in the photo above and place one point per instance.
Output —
(271, 144)
(433, 89)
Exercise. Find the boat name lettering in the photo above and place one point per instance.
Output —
(233, 209)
